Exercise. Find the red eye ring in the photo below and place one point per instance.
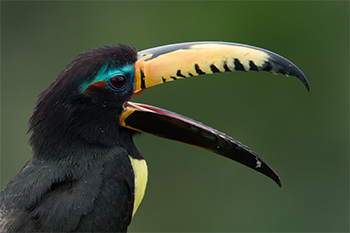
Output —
(118, 81)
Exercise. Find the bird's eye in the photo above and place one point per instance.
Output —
(118, 81)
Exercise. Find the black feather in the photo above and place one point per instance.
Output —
(80, 177)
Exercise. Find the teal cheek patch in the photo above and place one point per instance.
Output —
(105, 73)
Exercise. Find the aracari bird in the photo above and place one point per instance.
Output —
(86, 173)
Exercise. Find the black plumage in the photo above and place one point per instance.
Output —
(80, 177)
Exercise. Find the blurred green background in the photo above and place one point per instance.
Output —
(303, 136)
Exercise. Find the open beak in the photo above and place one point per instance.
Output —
(171, 62)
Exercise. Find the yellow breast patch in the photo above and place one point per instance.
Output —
(141, 177)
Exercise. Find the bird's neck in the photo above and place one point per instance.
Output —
(67, 144)
(58, 133)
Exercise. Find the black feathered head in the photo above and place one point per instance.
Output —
(66, 113)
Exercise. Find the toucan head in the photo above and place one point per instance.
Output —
(89, 102)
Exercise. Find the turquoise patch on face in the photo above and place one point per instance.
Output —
(105, 73)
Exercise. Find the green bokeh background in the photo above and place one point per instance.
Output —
(304, 136)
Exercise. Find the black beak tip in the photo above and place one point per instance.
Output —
(278, 181)
(269, 172)
(306, 83)
(274, 177)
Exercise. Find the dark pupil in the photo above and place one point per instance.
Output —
(118, 81)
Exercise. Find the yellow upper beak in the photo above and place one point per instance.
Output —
(172, 62)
